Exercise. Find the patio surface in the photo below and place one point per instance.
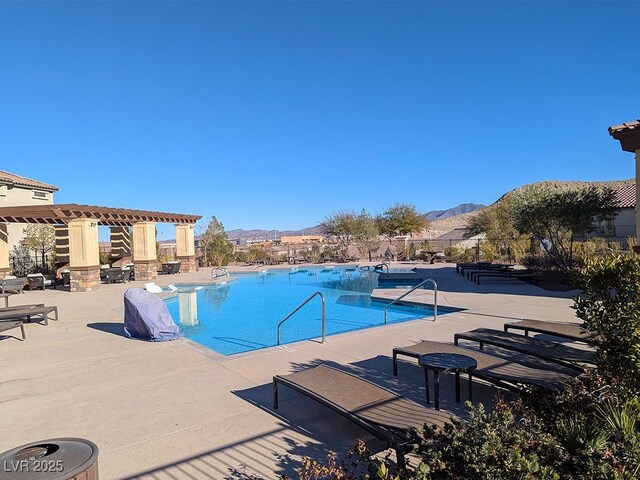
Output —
(176, 410)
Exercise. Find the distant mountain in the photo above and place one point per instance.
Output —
(257, 234)
(452, 212)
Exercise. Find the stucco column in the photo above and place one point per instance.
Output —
(120, 242)
(145, 257)
(185, 247)
(84, 258)
(5, 267)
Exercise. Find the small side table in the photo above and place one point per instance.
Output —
(446, 362)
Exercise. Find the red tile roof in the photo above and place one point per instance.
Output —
(12, 178)
(625, 127)
(626, 196)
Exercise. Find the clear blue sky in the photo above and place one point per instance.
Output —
(274, 114)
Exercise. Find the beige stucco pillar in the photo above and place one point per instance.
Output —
(5, 267)
(145, 257)
(84, 258)
(185, 247)
(120, 243)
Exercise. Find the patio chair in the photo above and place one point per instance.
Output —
(29, 313)
(38, 280)
(13, 285)
(115, 274)
(503, 372)
(383, 413)
(571, 331)
(167, 269)
(9, 324)
(545, 349)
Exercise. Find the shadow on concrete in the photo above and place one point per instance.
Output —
(108, 327)
(7, 337)
(337, 433)
(249, 458)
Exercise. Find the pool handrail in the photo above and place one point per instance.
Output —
(435, 298)
(214, 272)
(298, 308)
(379, 267)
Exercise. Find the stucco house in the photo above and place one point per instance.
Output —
(624, 223)
(17, 190)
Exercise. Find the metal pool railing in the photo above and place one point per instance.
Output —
(435, 298)
(299, 307)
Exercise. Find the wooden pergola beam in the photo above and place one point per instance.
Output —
(63, 213)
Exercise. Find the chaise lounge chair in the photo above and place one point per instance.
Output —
(571, 331)
(13, 285)
(552, 351)
(28, 313)
(505, 373)
(9, 324)
(381, 412)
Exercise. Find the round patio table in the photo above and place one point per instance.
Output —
(446, 362)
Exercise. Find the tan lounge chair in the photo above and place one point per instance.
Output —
(35, 312)
(9, 324)
(13, 285)
(381, 412)
(572, 331)
(552, 351)
(502, 372)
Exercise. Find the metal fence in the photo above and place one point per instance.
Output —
(22, 265)
(477, 250)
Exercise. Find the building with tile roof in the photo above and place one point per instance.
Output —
(16, 190)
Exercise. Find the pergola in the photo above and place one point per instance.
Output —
(629, 136)
(77, 237)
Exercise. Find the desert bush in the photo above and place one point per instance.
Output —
(610, 307)
(489, 251)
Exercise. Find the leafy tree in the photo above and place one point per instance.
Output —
(400, 220)
(552, 216)
(22, 263)
(343, 226)
(367, 237)
(41, 239)
(217, 249)
(496, 222)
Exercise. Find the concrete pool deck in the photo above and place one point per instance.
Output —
(176, 410)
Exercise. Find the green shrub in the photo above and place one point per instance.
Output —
(610, 308)
(508, 443)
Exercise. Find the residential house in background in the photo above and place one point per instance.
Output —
(16, 190)
(624, 223)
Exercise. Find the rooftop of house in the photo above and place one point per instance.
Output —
(626, 195)
(625, 127)
(13, 179)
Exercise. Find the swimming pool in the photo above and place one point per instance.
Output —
(243, 315)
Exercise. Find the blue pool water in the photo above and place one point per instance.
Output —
(243, 315)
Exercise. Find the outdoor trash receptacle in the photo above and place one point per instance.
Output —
(56, 459)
